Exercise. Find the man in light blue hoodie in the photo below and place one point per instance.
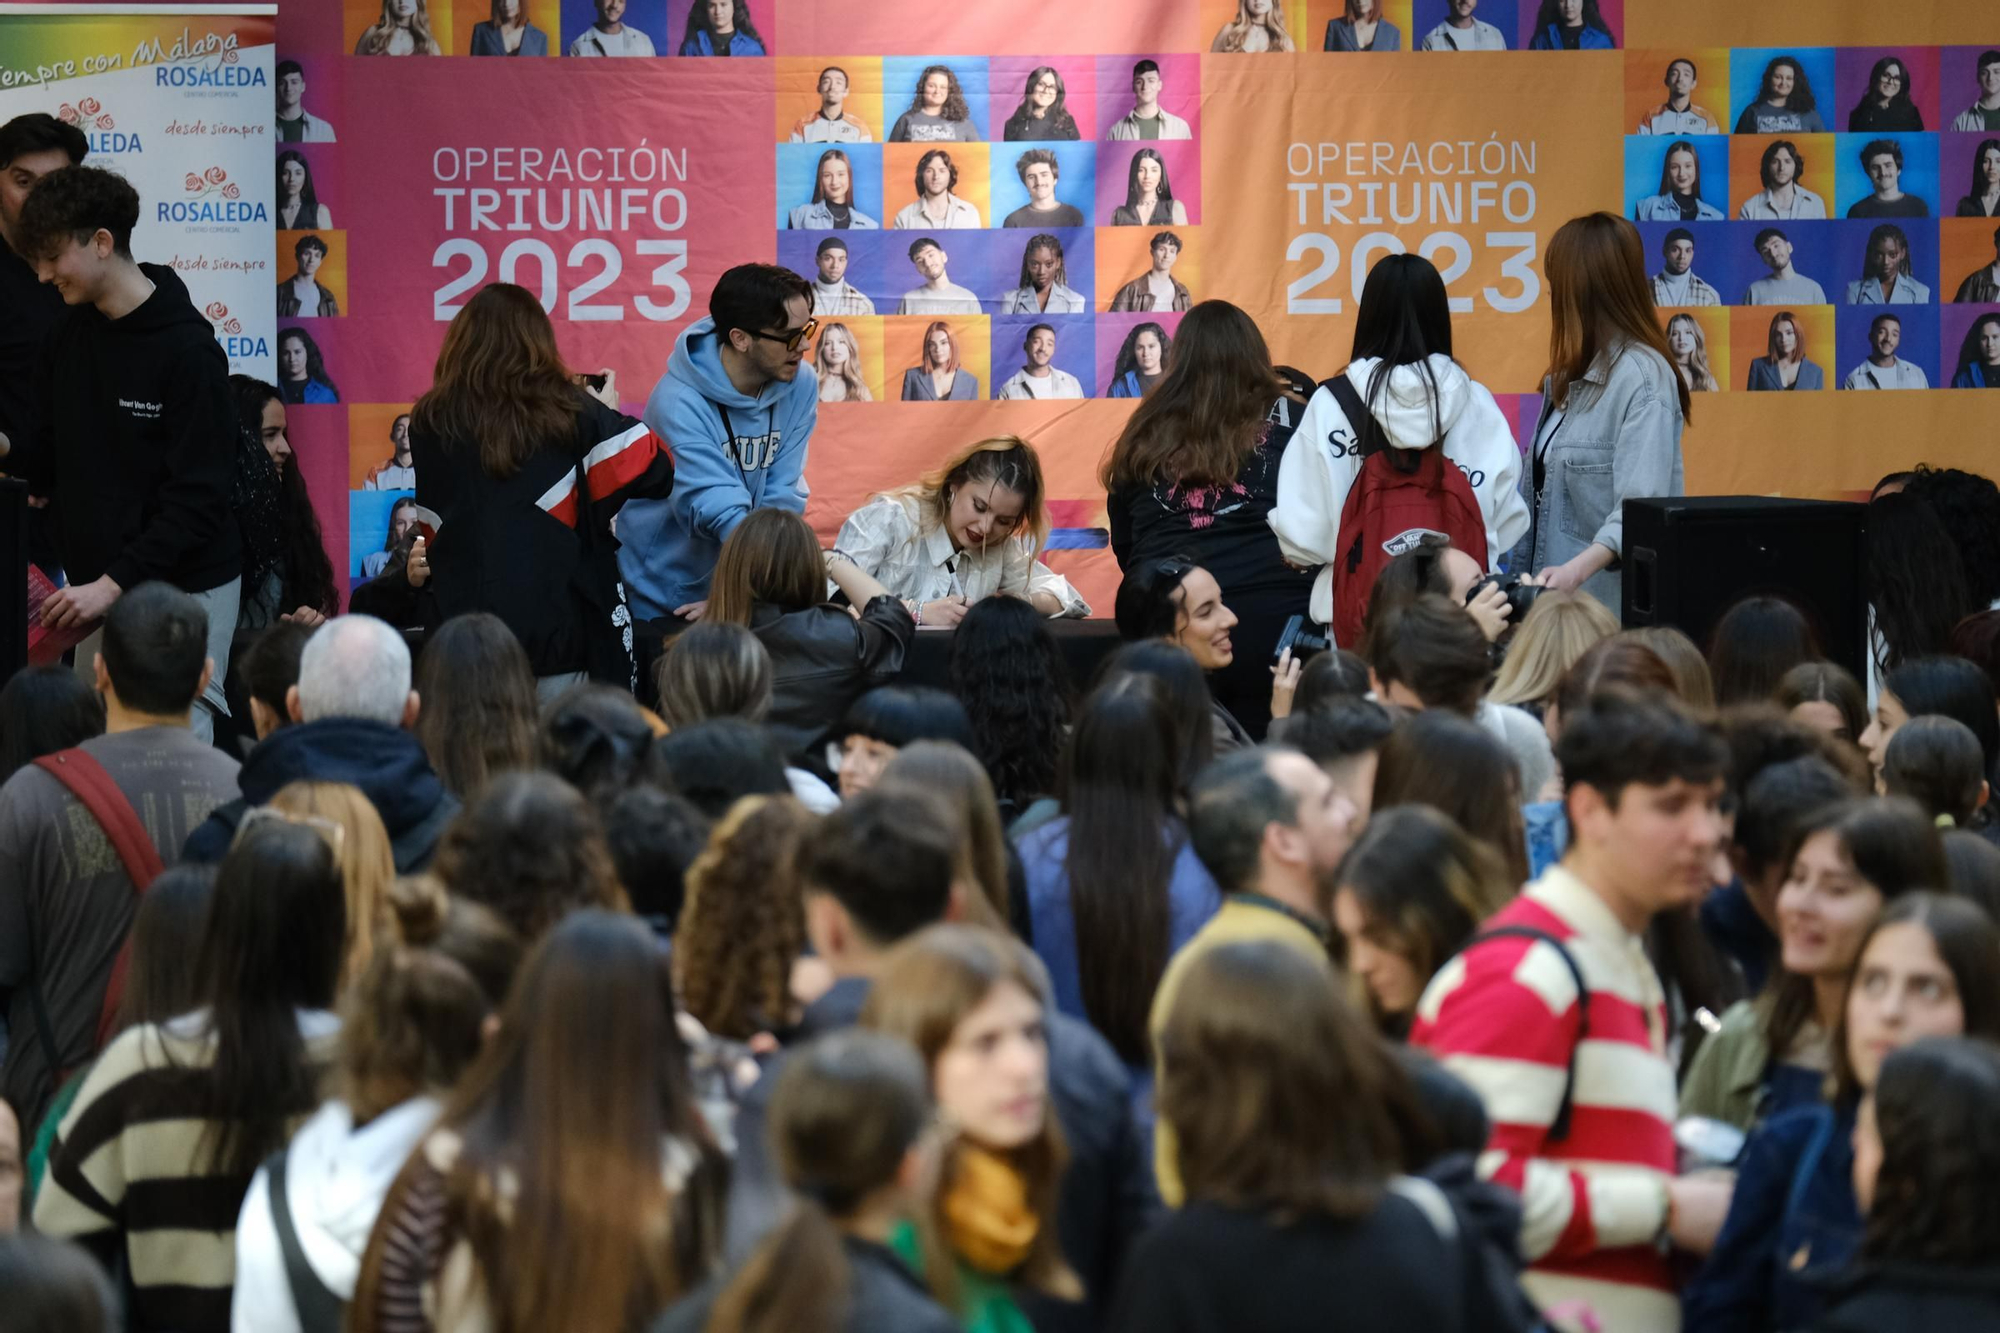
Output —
(737, 414)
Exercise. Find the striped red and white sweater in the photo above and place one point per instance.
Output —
(1504, 1017)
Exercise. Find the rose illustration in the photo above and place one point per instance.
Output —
(230, 191)
(193, 181)
(215, 310)
(233, 326)
(90, 106)
(216, 175)
(105, 123)
(67, 114)
(230, 56)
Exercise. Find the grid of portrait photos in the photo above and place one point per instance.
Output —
(1820, 218)
(991, 227)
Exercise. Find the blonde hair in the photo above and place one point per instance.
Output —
(850, 370)
(1005, 460)
(1559, 628)
(367, 864)
(1232, 37)
(1696, 373)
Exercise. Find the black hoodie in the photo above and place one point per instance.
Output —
(139, 445)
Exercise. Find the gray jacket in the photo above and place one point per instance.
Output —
(1619, 438)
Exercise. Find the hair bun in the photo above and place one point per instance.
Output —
(421, 905)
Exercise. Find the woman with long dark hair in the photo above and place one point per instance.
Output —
(479, 707)
(1041, 113)
(299, 208)
(411, 1024)
(1195, 473)
(571, 1182)
(1423, 414)
(1982, 196)
(1149, 195)
(286, 573)
(1613, 408)
(1784, 103)
(851, 1125)
(235, 1076)
(1755, 643)
(302, 377)
(1979, 356)
(1141, 362)
(1929, 967)
(720, 28)
(526, 469)
(1914, 581)
(772, 577)
(1176, 602)
(969, 1000)
(44, 709)
(1007, 671)
(1941, 686)
(1968, 505)
(1926, 1147)
(1571, 25)
(1848, 861)
(1114, 886)
(1885, 103)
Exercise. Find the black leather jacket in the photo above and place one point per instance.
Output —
(823, 659)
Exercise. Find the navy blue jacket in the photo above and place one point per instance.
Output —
(385, 762)
(1793, 1220)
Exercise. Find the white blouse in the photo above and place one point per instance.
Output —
(914, 560)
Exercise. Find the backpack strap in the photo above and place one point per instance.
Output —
(319, 1310)
(1559, 1128)
(1359, 418)
(84, 778)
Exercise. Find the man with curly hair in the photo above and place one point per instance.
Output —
(136, 449)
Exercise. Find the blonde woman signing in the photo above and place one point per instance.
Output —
(972, 529)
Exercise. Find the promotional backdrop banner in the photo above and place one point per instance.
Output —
(178, 100)
(1025, 179)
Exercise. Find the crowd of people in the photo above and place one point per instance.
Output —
(1378, 923)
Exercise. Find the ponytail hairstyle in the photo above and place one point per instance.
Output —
(848, 1110)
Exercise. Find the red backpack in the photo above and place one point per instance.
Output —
(1389, 511)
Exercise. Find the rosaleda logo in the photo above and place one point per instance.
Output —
(223, 69)
(99, 129)
(229, 332)
(210, 196)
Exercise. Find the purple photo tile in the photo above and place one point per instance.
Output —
(1075, 349)
(1112, 331)
(1007, 82)
(1180, 90)
(1114, 178)
(1958, 89)
(1853, 71)
(1957, 332)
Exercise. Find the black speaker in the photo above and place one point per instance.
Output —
(1689, 559)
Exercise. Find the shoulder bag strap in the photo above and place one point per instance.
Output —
(1358, 416)
(84, 778)
(1559, 1128)
(319, 1310)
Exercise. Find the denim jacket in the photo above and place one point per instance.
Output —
(1619, 438)
(1793, 1219)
